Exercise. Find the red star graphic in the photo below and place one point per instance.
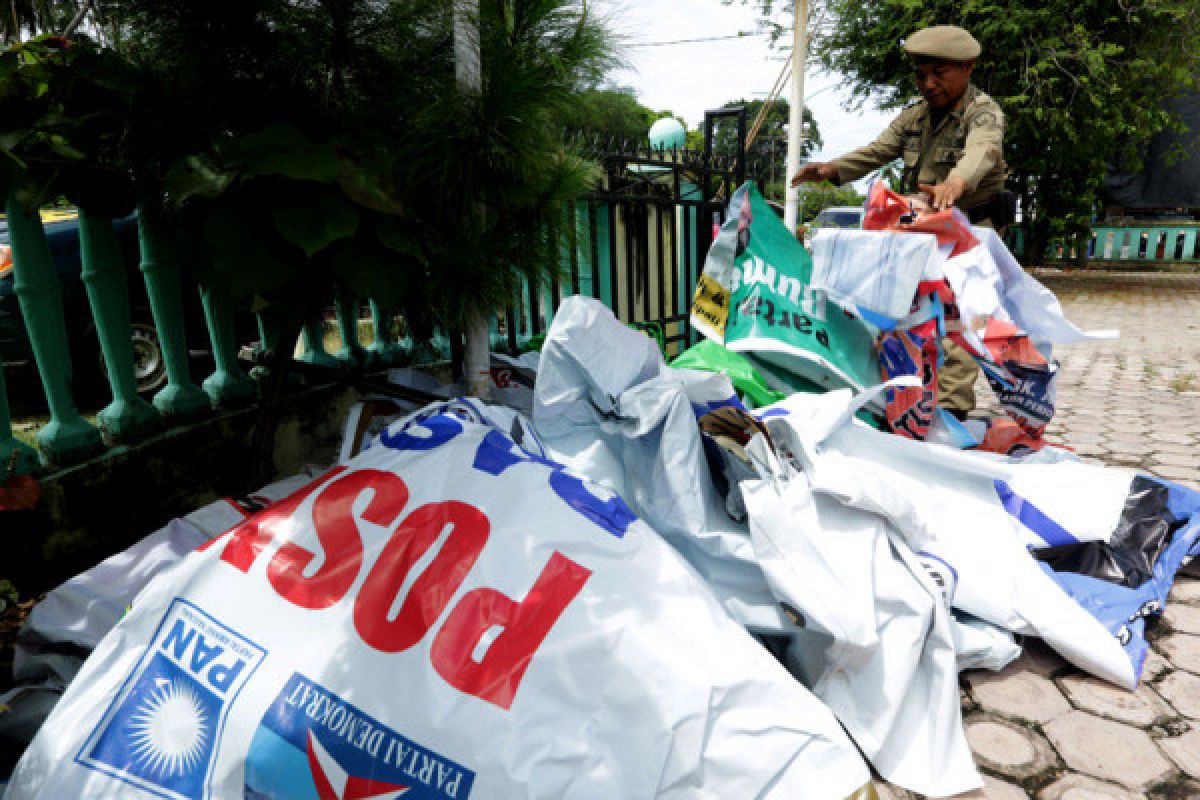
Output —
(334, 783)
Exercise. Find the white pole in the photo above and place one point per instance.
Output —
(796, 111)
(468, 71)
(466, 46)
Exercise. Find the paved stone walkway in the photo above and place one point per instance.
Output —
(1041, 728)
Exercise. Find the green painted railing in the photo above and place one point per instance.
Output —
(639, 256)
(68, 438)
(1163, 243)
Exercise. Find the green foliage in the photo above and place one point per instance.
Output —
(767, 154)
(775, 123)
(63, 104)
(301, 145)
(815, 197)
(610, 113)
(9, 596)
(26, 19)
(489, 175)
(1081, 83)
(270, 129)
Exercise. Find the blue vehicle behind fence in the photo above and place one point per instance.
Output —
(62, 235)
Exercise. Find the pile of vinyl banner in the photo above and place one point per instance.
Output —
(753, 573)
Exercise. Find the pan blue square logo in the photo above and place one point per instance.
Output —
(162, 731)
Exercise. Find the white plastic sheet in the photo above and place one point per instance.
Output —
(982, 645)
(877, 645)
(606, 406)
(1029, 304)
(448, 617)
(989, 283)
(946, 504)
(876, 270)
(866, 268)
(71, 619)
(881, 655)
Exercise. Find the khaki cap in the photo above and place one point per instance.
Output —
(943, 41)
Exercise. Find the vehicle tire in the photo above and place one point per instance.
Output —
(149, 365)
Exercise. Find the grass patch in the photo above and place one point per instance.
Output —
(1183, 382)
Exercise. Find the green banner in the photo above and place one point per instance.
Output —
(755, 297)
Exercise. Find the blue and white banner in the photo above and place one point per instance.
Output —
(161, 732)
(313, 745)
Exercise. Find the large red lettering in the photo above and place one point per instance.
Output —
(245, 541)
(430, 593)
(337, 533)
(526, 624)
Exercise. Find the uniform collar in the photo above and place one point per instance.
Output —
(959, 109)
(965, 101)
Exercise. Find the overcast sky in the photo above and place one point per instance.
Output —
(690, 78)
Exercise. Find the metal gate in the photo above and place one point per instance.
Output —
(638, 243)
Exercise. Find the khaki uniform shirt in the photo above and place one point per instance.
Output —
(968, 142)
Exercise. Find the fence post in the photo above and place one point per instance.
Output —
(16, 458)
(180, 398)
(268, 329)
(383, 351)
(68, 437)
(351, 353)
(314, 346)
(128, 417)
(228, 385)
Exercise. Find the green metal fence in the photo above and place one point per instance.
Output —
(637, 247)
(68, 438)
(1151, 245)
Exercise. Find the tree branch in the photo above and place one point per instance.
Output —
(78, 18)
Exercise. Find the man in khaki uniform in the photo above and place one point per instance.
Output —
(952, 143)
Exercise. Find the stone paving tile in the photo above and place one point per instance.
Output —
(994, 789)
(1185, 619)
(1140, 708)
(1171, 459)
(1172, 473)
(1007, 748)
(1155, 666)
(1018, 693)
(1174, 447)
(1107, 750)
(1119, 403)
(1184, 751)
(1081, 787)
(1186, 590)
(1182, 650)
(1182, 690)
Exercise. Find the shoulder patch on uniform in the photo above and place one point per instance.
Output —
(985, 119)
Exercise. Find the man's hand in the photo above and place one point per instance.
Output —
(815, 171)
(946, 193)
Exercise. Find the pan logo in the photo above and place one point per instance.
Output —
(160, 733)
(312, 745)
(170, 729)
